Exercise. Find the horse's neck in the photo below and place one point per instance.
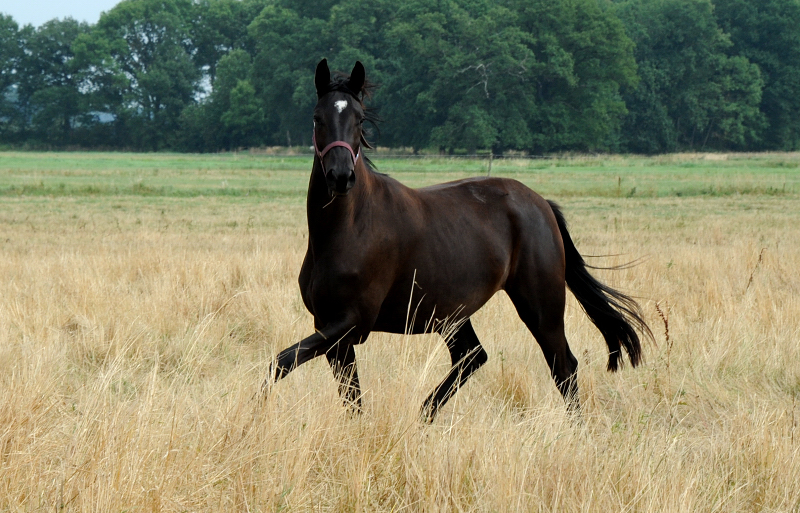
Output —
(329, 216)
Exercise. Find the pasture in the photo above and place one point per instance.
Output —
(142, 297)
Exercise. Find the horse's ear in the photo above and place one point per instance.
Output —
(357, 77)
(322, 78)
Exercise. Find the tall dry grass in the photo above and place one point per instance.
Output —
(134, 339)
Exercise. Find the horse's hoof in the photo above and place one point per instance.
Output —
(269, 382)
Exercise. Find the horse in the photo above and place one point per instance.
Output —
(373, 241)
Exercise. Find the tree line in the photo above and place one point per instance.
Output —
(538, 76)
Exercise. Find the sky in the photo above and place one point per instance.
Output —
(36, 12)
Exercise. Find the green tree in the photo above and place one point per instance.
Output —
(235, 111)
(223, 47)
(457, 71)
(10, 54)
(691, 94)
(219, 27)
(146, 48)
(767, 34)
(536, 75)
(583, 58)
(245, 117)
(462, 75)
(49, 84)
(288, 47)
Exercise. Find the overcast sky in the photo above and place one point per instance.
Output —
(36, 12)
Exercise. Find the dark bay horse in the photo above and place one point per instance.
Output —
(378, 251)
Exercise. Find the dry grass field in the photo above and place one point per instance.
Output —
(142, 297)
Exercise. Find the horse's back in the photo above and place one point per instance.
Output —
(491, 191)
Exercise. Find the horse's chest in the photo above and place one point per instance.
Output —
(327, 286)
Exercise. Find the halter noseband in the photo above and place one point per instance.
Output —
(328, 148)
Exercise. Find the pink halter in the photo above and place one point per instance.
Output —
(328, 148)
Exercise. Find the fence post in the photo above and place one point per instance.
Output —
(489, 171)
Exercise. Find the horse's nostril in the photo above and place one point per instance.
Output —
(346, 181)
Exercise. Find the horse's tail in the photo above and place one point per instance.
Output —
(614, 313)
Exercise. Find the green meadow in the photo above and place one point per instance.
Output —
(286, 177)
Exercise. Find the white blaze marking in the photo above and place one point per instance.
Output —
(340, 105)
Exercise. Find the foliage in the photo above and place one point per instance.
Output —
(766, 33)
(151, 49)
(49, 85)
(10, 53)
(458, 75)
(691, 94)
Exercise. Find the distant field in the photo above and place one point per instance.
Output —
(284, 177)
(143, 295)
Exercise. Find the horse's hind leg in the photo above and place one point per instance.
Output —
(342, 359)
(563, 364)
(467, 356)
(544, 317)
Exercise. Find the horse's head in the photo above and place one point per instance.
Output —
(338, 118)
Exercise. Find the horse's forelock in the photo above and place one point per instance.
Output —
(340, 82)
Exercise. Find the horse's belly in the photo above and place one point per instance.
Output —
(446, 295)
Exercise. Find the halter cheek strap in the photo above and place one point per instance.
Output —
(328, 148)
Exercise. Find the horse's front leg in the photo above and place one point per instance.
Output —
(342, 359)
(325, 341)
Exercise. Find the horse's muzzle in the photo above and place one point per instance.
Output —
(340, 181)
